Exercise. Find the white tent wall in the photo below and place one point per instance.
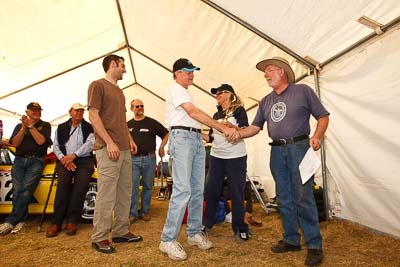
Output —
(361, 90)
(258, 154)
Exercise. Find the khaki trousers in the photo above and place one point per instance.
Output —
(114, 185)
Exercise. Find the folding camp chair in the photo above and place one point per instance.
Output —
(164, 191)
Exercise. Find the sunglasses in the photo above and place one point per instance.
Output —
(139, 106)
(221, 92)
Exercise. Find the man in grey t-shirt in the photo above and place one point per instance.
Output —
(287, 110)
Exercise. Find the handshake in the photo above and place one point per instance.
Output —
(231, 132)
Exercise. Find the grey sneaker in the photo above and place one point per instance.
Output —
(18, 228)
(5, 228)
(174, 250)
(200, 240)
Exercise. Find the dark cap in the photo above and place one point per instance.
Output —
(33, 106)
(185, 65)
(223, 87)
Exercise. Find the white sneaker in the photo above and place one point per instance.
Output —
(18, 228)
(5, 228)
(174, 250)
(200, 240)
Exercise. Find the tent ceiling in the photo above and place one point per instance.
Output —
(50, 51)
(318, 29)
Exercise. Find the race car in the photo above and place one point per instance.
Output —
(46, 186)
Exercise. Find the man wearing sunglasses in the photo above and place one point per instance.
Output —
(188, 162)
(144, 131)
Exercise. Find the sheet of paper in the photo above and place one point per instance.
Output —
(309, 165)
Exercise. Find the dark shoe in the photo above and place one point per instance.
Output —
(314, 257)
(103, 247)
(283, 247)
(243, 235)
(205, 230)
(145, 216)
(71, 228)
(132, 219)
(128, 238)
(53, 230)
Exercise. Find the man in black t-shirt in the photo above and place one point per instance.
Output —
(31, 138)
(144, 131)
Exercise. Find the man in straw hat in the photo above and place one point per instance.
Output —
(287, 110)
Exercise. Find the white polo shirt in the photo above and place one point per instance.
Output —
(176, 115)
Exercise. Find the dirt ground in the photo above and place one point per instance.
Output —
(345, 244)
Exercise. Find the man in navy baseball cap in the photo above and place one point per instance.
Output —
(185, 65)
(34, 106)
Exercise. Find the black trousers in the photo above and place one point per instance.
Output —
(71, 190)
(235, 169)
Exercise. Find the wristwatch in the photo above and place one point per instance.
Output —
(29, 127)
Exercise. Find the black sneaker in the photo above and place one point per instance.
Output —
(128, 238)
(314, 257)
(103, 247)
(205, 230)
(243, 235)
(283, 247)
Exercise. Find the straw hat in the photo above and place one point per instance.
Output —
(279, 62)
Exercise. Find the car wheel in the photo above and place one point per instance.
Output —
(89, 203)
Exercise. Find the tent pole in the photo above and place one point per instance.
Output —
(60, 73)
(164, 67)
(384, 28)
(259, 33)
(126, 39)
(323, 152)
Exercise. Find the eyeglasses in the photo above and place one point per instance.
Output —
(139, 106)
(221, 92)
(268, 71)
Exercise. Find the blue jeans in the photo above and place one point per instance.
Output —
(26, 174)
(188, 169)
(144, 166)
(296, 201)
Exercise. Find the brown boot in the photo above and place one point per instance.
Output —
(53, 230)
(146, 217)
(71, 228)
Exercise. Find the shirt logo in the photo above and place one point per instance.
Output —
(278, 111)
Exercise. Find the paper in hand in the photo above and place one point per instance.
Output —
(309, 165)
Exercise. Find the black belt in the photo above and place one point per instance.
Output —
(31, 156)
(282, 142)
(190, 129)
(151, 153)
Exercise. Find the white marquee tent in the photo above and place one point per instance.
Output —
(51, 50)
